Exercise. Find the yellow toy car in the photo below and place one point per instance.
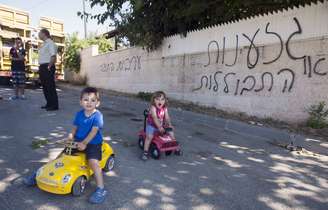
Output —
(69, 172)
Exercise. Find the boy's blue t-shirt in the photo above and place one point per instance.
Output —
(84, 125)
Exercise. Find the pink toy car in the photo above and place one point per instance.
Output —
(160, 143)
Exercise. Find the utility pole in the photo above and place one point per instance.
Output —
(84, 20)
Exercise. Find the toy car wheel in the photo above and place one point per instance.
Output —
(141, 142)
(167, 153)
(79, 186)
(178, 152)
(154, 151)
(109, 164)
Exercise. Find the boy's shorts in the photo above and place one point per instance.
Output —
(150, 130)
(93, 151)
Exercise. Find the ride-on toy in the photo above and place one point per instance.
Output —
(69, 172)
(161, 143)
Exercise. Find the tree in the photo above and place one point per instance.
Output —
(147, 22)
(74, 45)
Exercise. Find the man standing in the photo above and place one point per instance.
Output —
(47, 70)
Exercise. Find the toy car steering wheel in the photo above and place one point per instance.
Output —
(70, 147)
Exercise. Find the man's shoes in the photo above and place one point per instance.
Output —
(44, 107)
(52, 108)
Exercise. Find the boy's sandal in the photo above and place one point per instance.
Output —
(98, 196)
(30, 180)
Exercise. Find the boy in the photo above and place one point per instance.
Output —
(86, 131)
(88, 123)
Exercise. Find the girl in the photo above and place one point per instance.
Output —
(158, 118)
(17, 55)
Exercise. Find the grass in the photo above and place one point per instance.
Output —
(36, 144)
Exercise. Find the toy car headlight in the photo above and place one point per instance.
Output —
(39, 171)
(66, 178)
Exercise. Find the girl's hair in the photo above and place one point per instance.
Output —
(89, 90)
(158, 94)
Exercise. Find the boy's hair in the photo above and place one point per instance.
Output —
(45, 32)
(89, 90)
(158, 94)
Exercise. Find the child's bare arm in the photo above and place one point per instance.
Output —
(91, 135)
(154, 116)
(72, 134)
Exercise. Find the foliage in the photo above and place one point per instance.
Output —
(39, 143)
(318, 115)
(146, 96)
(147, 22)
(74, 45)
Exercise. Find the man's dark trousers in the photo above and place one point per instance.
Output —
(47, 78)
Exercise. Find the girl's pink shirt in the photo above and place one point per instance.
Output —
(160, 113)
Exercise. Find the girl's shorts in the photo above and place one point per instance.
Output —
(150, 130)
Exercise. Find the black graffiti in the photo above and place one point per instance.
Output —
(236, 53)
(299, 31)
(252, 45)
(252, 86)
(209, 52)
(226, 88)
(307, 62)
(315, 70)
(208, 82)
(216, 86)
(237, 87)
(280, 41)
(262, 85)
(201, 83)
(128, 64)
(286, 81)
(267, 79)
(248, 83)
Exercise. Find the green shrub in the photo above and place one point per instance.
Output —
(318, 115)
(74, 45)
(146, 96)
(39, 143)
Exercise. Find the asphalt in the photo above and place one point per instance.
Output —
(226, 164)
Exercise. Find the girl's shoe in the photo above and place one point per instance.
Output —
(98, 196)
(144, 156)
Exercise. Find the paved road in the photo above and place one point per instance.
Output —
(226, 164)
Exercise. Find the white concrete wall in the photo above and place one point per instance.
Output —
(189, 68)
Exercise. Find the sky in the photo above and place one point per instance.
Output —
(64, 10)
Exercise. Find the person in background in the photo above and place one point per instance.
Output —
(47, 70)
(17, 56)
